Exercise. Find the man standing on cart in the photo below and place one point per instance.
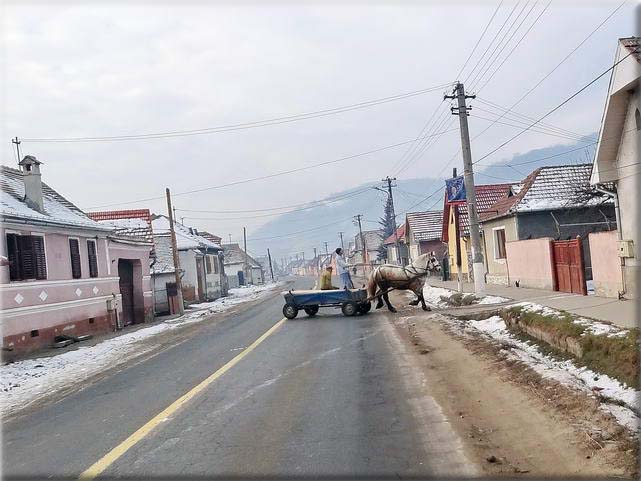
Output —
(342, 269)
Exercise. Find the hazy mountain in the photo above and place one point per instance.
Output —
(322, 222)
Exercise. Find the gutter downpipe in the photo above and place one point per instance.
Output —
(617, 213)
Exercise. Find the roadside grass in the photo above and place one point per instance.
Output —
(616, 356)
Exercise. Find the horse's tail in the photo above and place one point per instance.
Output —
(372, 285)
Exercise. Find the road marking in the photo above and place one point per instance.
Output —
(97, 468)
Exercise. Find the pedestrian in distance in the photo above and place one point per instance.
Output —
(342, 268)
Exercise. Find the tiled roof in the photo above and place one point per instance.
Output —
(164, 257)
(235, 255)
(57, 209)
(186, 237)
(486, 196)
(425, 225)
(633, 44)
(400, 234)
(550, 188)
(214, 238)
(132, 224)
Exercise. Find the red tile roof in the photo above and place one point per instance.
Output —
(134, 223)
(486, 196)
(400, 233)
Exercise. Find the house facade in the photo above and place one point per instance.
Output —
(59, 278)
(423, 234)
(241, 268)
(130, 250)
(201, 261)
(555, 202)
(456, 215)
(616, 164)
(390, 246)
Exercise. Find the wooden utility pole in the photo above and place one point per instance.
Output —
(391, 197)
(342, 245)
(174, 248)
(271, 269)
(478, 265)
(246, 256)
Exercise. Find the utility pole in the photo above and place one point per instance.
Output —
(326, 251)
(245, 247)
(478, 265)
(17, 142)
(360, 231)
(229, 238)
(174, 248)
(342, 245)
(271, 270)
(316, 259)
(391, 197)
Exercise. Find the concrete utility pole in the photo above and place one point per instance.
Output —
(391, 197)
(360, 231)
(478, 265)
(174, 248)
(271, 270)
(326, 251)
(342, 245)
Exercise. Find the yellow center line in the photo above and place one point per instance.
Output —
(97, 468)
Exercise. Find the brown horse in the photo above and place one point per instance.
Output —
(389, 276)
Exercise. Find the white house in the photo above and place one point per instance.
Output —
(616, 165)
(241, 268)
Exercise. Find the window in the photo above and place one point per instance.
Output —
(499, 244)
(27, 258)
(208, 264)
(211, 263)
(214, 263)
(74, 250)
(93, 258)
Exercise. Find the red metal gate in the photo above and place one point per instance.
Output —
(569, 267)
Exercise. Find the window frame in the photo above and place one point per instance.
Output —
(38, 268)
(93, 269)
(208, 268)
(73, 276)
(497, 243)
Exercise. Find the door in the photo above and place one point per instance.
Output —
(200, 270)
(569, 266)
(126, 282)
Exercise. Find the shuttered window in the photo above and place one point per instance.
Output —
(74, 249)
(27, 258)
(208, 264)
(214, 262)
(93, 258)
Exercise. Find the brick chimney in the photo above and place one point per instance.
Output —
(32, 182)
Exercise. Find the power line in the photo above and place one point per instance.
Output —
(263, 177)
(554, 109)
(242, 126)
(520, 124)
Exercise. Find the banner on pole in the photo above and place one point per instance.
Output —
(455, 190)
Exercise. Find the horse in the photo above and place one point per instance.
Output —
(390, 276)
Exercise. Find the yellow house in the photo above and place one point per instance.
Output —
(486, 196)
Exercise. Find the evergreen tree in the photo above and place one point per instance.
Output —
(388, 224)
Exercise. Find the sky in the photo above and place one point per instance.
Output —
(70, 71)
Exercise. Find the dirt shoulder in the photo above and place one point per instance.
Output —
(512, 421)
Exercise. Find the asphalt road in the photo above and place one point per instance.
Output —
(324, 396)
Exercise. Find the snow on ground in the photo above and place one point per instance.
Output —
(565, 372)
(433, 295)
(24, 382)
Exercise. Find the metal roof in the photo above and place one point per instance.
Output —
(425, 226)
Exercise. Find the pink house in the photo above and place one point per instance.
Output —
(62, 275)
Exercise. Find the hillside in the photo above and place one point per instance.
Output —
(313, 227)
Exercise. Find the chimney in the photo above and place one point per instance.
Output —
(32, 183)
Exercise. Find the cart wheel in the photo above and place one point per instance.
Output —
(349, 309)
(311, 311)
(290, 311)
(365, 307)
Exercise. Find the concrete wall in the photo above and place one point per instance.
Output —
(215, 279)
(190, 277)
(161, 303)
(530, 263)
(606, 265)
(497, 269)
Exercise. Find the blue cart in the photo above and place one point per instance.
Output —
(351, 301)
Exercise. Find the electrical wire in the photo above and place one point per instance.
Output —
(520, 124)
(554, 109)
(242, 126)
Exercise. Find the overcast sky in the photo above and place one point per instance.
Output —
(73, 71)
